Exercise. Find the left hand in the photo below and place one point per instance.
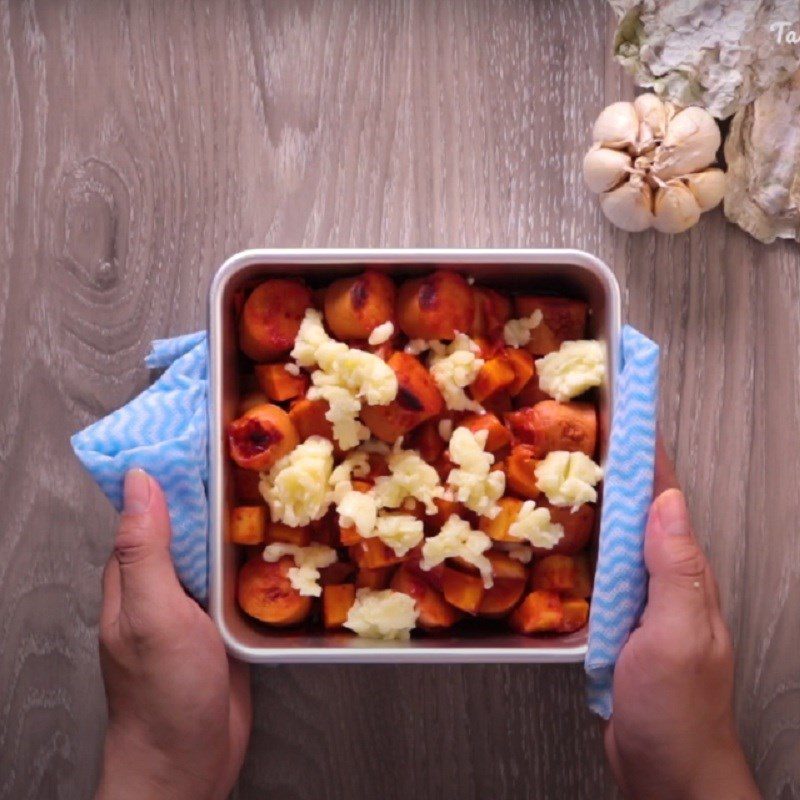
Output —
(179, 710)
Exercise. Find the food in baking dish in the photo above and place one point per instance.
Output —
(410, 456)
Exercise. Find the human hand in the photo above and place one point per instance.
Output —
(178, 708)
(672, 736)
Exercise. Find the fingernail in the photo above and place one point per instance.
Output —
(136, 493)
(670, 508)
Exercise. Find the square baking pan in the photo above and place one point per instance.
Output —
(572, 273)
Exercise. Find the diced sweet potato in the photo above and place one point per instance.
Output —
(418, 399)
(562, 320)
(520, 475)
(245, 486)
(355, 306)
(337, 599)
(492, 311)
(501, 598)
(271, 318)
(531, 394)
(434, 612)
(506, 568)
(338, 572)
(521, 361)
(257, 439)
(373, 554)
(555, 574)
(278, 384)
(498, 404)
(326, 530)
(551, 425)
(576, 615)
(436, 306)
(427, 440)
(494, 376)
(578, 528)
(309, 419)
(265, 593)
(444, 510)
(488, 348)
(539, 612)
(378, 467)
(499, 436)
(497, 528)
(462, 590)
(374, 578)
(247, 524)
(278, 532)
(583, 578)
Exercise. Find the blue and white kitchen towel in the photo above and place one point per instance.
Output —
(165, 432)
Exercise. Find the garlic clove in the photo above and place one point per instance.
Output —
(675, 209)
(604, 168)
(690, 144)
(708, 187)
(652, 119)
(629, 206)
(617, 126)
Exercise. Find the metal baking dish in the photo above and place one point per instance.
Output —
(571, 272)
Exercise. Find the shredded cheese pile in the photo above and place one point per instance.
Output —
(473, 483)
(533, 525)
(568, 479)
(517, 332)
(455, 366)
(382, 615)
(572, 369)
(304, 576)
(457, 539)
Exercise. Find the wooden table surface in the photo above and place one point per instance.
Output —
(142, 143)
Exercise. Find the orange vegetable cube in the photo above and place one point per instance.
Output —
(278, 532)
(434, 612)
(462, 590)
(308, 417)
(278, 384)
(373, 553)
(374, 578)
(427, 440)
(492, 311)
(497, 527)
(576, 615)
(337, 599)
(562, 320)
(583, 579)
(499, 436)
(520, 476)
(555, 574)
(326, 530)
(539, 612)
(245, 486)
(506, 568)
(338, 572)
(495, 375)
(444, 510)
(521, 361)
(247, 524)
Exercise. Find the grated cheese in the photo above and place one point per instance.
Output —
(568, 479)
(572, 369)
(345, 378)
(410, 477)
(474, 484)
(401, 532)
(533, 525)
(296, 488)
(358, 509)
(454, 367)
(381, 333)
(382, 615)
(457, 539)
(517, 332)
(304, 576)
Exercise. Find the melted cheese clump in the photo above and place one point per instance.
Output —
(345, 377)
(296, 488)
(474, 485)
(401, 532)
(517, 332)
(568, 479)
(572, 369)
(458, 539)
(454, 367)
(304, 576)
(381, 333)
(410, 477)
(382, 615)
(533, 524)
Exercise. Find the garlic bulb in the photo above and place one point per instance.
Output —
(604, 168)
(651, 164)
(675, 209)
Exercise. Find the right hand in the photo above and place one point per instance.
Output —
(672, 735)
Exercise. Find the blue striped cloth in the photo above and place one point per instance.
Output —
(165, 432)
(620, 587)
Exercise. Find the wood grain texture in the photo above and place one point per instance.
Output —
(142, 143)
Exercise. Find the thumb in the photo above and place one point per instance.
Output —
(680, 580)
(141, 548)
